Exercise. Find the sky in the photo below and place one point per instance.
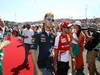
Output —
(34, 10)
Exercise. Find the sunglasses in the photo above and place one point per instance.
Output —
(68, 28)
(50, 19)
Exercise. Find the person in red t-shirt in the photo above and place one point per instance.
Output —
(62, 49)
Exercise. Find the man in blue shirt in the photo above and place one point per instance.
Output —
(44, 41)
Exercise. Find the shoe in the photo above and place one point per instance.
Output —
(14, 69)
(16, 73)
(27, 66)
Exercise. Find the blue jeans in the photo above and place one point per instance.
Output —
(46, 71)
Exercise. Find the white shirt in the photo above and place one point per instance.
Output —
(75, 37)
(28, 33)
(65, 57)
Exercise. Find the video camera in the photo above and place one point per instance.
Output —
(91, 44)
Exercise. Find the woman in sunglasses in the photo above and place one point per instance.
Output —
(45, 41)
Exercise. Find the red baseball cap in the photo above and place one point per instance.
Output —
(65, 24)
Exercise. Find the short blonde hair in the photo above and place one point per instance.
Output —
(48, 14)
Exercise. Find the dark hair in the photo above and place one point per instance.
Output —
(1, 29)
(24, 26)
(28, 25)
(43, 28)
(79, 31)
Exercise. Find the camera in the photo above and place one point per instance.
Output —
(91, 44)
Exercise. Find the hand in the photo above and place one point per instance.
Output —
(52, 53)
(73, 56)
(89, 39)
(25, 36)
(32, 36)
(39, 72)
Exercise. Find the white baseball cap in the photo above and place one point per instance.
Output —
(77, 23)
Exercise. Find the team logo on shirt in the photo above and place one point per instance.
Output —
(63, 40)
(43, 39)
